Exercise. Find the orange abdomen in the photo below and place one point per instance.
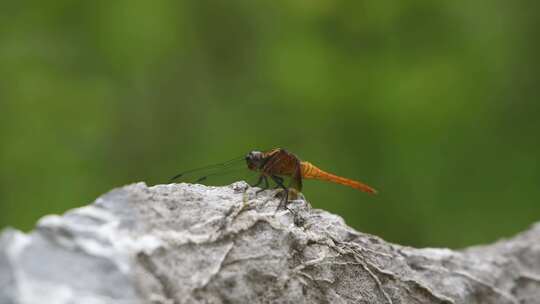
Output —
(309, 171)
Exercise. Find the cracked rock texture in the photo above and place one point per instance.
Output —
(184, 243)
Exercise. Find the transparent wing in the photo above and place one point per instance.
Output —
(220, 173)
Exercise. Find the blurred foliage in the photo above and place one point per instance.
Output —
(435, 104)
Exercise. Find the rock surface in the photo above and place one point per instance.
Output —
(184, 243)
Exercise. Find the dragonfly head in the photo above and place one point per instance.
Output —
(254, 160)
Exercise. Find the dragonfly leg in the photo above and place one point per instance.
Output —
(259, 181)
(279, 182)
(265, 179)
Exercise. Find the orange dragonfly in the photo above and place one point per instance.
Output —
(277, 164)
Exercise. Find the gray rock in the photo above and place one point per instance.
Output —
(184, 243)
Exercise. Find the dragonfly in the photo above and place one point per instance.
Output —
(276, 165)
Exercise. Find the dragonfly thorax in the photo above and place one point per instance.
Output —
(255, 160)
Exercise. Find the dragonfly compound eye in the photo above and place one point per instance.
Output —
(254, 159)
(254, 155)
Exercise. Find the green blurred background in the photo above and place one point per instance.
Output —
(433, 103)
